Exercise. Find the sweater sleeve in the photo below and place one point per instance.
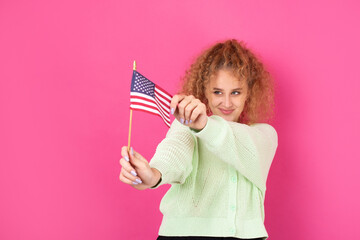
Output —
(249, 149)
(173, 156)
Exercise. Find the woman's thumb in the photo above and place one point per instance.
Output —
(135, 158)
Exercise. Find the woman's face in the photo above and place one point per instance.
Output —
(226, 95)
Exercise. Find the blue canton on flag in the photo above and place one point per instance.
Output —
(142, 85)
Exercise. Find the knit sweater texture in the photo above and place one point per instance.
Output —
(218, 178)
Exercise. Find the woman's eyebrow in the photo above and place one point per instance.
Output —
(220, 89)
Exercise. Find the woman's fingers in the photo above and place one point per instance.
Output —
(197, 111)
(127, 167)
(182, 106)
(174, 102)
(125, 153)
(192, 110)
(127, 178)
(137, 171)
(194, 113)
(137, 160)
(188, 111)
(128, 172)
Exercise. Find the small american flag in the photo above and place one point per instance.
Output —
(147, 96)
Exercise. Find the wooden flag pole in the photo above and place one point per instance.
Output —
(129, 139)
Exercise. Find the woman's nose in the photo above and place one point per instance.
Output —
(228, 102)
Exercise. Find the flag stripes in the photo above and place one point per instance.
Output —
(149, 102)
(137, 100)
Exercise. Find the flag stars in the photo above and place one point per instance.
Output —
(143, 85)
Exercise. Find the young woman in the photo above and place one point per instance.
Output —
(217, 153)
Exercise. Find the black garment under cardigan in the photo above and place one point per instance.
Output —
(204, 238)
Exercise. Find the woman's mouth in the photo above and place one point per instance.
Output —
(226, 112)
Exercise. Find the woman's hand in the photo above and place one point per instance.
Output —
(136, 170)
(189, 111)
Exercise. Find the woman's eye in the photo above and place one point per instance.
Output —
(236, 93)
(217, 92)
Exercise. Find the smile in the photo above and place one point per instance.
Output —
(226, 112)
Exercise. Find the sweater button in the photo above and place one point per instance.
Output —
(233, 208)
(232, 230)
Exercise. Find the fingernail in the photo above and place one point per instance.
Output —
(131, 151)
(135, 183)
(181, 120)
(126, 158)
(133, 173)
(172, 110)
(138, 180)
(186, 122)
(190, 121)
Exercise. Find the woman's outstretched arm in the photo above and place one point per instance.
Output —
(173, 156)
(172, 161)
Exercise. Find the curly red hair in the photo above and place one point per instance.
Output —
(232, 54)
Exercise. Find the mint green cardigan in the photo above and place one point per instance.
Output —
(218, 177)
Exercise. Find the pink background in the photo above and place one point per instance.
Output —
(65, 69)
